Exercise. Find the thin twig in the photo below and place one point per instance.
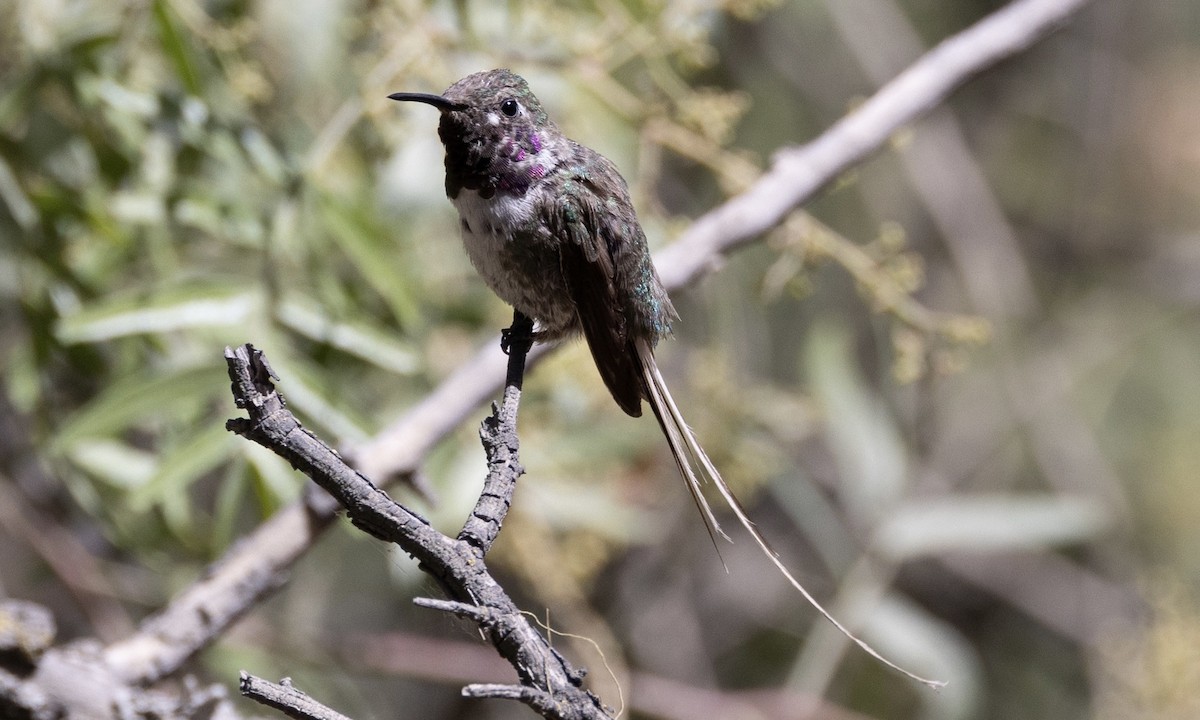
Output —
(501, 443)
(479, 614)
(285, 698)
(545, 703)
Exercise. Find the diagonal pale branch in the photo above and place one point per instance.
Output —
(797, 173)
(199, 613)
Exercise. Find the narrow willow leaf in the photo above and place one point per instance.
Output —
(988, 523)
(175, 309)
(173, 44)
(276, 481)
(870, 454)
(182, 465)
(230, 503)
(115, 463)
(133, 400)
(18, 203)
(373, 257)
(358, 339)
(309, 395)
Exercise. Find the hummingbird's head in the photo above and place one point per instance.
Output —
(494, 130)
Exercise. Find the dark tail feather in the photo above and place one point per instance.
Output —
(678, 435)
(695, 467)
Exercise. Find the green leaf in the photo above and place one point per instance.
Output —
(229, 503)
(909, 634)
(173, 44)
(182, 465)
(356, 338)
(15, 199)
(870, 454)
(988, 523)
(374, 259)
(115, 463)
(168, 310)
(565, 505)
(276, 481)
(307, 392)
(133, 400)
(265, 157)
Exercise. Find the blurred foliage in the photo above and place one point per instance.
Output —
(899, 404)
(1154, 674)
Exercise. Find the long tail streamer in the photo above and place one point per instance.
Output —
(695, 467)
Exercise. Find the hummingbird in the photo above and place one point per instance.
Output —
(549, 225)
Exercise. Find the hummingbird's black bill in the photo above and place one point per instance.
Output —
(437, 101)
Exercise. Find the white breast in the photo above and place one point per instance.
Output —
(494, 214)
(488, 228)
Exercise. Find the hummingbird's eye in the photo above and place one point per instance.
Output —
(510, 107)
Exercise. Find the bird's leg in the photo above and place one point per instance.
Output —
(518, 336)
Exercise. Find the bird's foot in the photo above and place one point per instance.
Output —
(519, 335)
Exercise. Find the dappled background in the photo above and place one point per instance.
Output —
(962, 397)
